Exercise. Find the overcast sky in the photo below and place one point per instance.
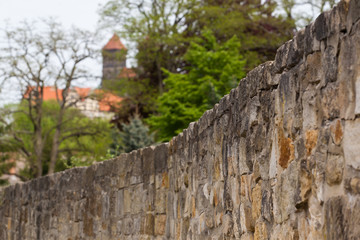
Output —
(82, 13)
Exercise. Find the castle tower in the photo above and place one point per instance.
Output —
(114, 58)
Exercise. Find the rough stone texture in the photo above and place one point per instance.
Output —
(277, 158)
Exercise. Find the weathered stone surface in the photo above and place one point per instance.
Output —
(334, 169)
(351, 148)
(160, 222)
(277, 158)
(256, 197)
(353, 185)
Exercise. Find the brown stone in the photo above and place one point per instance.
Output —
(165, 180)
(336, 132)
(248, 220)
(148, 225)
(334, 169)
(160, 223)
(313, 67)
(311, 137)
(286, 150)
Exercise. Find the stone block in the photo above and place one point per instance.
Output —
(353, 185)
(161, 157)
(261, 231)
(334, 169)
(353, 14)
(351, 146)
(160, 223)
(256, 201)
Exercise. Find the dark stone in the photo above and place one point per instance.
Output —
(330, 64)
(267, 105)
(279, 63)
(352, 219)
(148, 167)
(244, 125)
(243, 94)
(161, 157)
(353, 14)
(310, 43)
(321, 28)
(334, 219)
(249, 152)
(293, 55)
(266, 202)
(300, 42)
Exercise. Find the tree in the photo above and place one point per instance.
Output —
(155, 26)
(81, 137)
(214, 70)
(254, 22)
(34, 58)
(6, 146)
(164, 29)
(133, 135)
(138, 97)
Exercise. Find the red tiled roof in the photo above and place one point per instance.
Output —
(83, 92)
(109, 101)
(114, 44)
(48, 94)
(127, 73)
(106, 100)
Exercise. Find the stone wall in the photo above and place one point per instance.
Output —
(277, 158)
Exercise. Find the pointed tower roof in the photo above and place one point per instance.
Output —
(114, 44)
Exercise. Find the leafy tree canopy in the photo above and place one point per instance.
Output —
(134, 135)
(84, 138)
(214, 69)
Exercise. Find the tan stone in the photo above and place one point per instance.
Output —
(261, 231)
(245, 186)
(256, 197)
(235, 195)
(127, 201)
(305, 185)
(351, 143)
(247, 236)
(228, 225)
(353, 185)
(284, 232)
(160, 223)
(334, 169)
(193, 207)
(160, 201)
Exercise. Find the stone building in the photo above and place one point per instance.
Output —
(114, 61)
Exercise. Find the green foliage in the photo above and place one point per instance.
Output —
(164, 29)
(258, 29)
(6, 146)
(82, 138)
(214, 69)
(139, 96)
(134, 135)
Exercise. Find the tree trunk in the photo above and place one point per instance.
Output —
(56, 143)
(38, 145)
